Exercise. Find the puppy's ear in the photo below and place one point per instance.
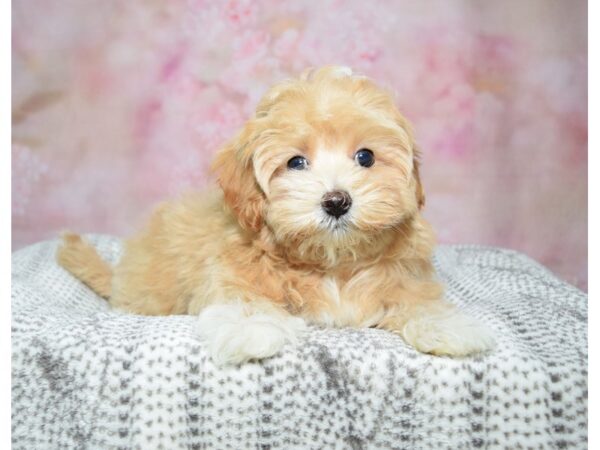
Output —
(235, 174)
(403, 123)
(420, 193)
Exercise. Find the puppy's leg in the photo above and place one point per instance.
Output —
(239, 331)
(439, 328)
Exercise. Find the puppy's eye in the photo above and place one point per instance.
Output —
(298, 163)
(364, 157)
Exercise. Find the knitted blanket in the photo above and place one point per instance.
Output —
(84, 376)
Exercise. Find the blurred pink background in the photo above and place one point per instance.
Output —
(117, 105)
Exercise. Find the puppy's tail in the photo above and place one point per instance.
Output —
(84, 262)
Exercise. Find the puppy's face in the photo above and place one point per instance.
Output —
(327, 161)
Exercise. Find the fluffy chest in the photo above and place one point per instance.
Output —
(338, 299)
(340, 305)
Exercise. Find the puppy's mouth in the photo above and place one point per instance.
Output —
(335, 224)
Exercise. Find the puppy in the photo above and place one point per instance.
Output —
(317, 221)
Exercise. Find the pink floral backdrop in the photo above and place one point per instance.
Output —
(119, 104)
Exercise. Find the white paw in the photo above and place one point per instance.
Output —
(236, 332)
(452, 334)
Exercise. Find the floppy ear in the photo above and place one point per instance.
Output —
(235, 174)
(405, 125)
(420, 193)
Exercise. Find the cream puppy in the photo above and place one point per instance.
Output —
(317, 220)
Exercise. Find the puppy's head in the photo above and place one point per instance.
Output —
(327, 161)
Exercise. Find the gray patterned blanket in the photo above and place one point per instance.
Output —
(84, 376)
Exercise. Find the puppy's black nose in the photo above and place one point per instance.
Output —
(336, 203)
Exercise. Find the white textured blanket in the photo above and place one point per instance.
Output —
(84, 376)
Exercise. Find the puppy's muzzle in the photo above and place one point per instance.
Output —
(336, 203)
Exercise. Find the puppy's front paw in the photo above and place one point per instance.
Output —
(237, 332)
(452, 334)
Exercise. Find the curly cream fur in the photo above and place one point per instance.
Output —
(262, 239)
